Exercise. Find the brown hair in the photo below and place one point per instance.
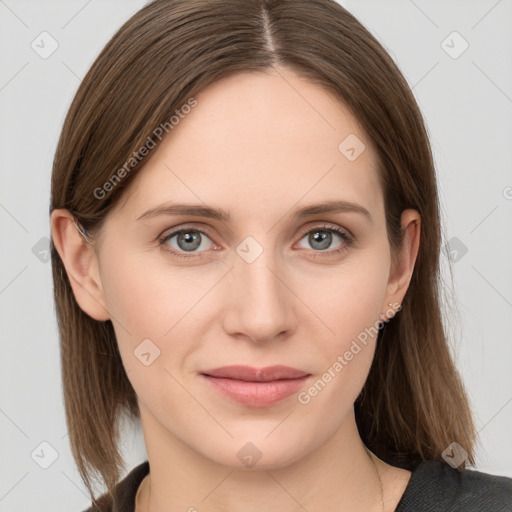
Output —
(413, 404)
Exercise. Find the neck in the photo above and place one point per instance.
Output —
(338, 475)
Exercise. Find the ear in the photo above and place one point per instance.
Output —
(401, 271)
(81, 264)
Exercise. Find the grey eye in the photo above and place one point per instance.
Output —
(187, 240)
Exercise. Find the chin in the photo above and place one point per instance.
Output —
(258, 454)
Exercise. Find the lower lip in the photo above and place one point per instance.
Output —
(257, 394)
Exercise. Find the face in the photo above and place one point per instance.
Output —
(265, 286)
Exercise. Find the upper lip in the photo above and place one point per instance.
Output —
(250, 374)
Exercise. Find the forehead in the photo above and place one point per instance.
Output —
(261, 139)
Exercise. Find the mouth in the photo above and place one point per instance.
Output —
(249, 374)
(256, 387)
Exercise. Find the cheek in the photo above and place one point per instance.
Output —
(149, 300)
(349, 299)
(349, 303)
(150, 306)
(147, 296)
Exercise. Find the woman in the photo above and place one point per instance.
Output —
(245, 249)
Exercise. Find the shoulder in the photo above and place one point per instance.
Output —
(124, 492)
(436, 486)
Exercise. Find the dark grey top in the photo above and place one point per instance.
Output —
(434, 487)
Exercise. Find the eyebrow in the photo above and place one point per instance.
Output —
(219, 214)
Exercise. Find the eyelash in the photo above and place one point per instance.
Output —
(346, 238)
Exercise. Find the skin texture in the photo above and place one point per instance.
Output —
(259, 146)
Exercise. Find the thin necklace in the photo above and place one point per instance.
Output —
(378, 475)
(145, 480)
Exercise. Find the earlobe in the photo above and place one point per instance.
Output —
(81, 264)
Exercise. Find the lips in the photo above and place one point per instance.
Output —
(256, 387)
(249, 374)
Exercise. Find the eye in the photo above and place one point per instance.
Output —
(321, 238)
(186, 240)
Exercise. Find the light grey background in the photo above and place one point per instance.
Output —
(467, 104)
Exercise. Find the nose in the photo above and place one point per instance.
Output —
(261, 303)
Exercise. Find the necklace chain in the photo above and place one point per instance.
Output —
(378, 474)
(146, 479)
